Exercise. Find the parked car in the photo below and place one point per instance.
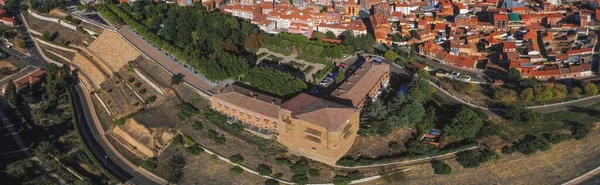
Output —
(343, 65)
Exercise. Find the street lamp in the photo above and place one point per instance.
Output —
(105, 158)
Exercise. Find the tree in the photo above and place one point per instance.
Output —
(45, 150)
(237, 158)
(20, 169)
(591, 89)
(505, 95)
(313, 172)
(300, 167)
(513, 75)
(330, 35)
(274, 81)
(441, 168)
(11, 94)
(466, 124)
(394, 145)
(300, 179)
(413, 112)
(420, 90)
(559, 91)
(319, 35)
(390, 55)
(340, 77)
(46, 35)
(236, 170)
(576, 92)
(526, 95)
(176, 78)
(423, 73)
(271, 182)
(263, 169)
(473, 158)
(194, 149)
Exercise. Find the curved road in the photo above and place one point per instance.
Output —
(102, 152)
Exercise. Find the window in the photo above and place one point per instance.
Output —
(266, 120)
(275, 123)
(313, 132)
(347, 127)
(346, 135)
(312, 138)
(241, 111)
(257, 117)
(232, 108)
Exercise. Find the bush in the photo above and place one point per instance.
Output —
(282, 161)
(556, 138)
(178, 140)
(151, 99)
(197, 125)
(473, 158)
(142, 91)
(346, 179)
(508, 149)
(237, 158)
(278, 175)
(300, 179)
(300, 167)
(394, 145)
(314, 172)
(263, 169)
(441, 168)
(579, 132)
(347, 161)
(194, 149)
(236, 170)
(149, 164)
(271, 182)
(80, 29)
(186, 111)
(530, 144)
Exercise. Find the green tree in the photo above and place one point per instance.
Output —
(236, 170)
(576, 92)
(274, 81)
(466, 124)
(46, 35)
(300, 167)
(413, 112)
(20, 169)
(271, 182)
(237, 158)
(428, 121)
(390, 55)
(591, 89)
(441, 168)
(513, 75)
(11, 94)
(176, 78)
(263, 169)
(420, 90)
(423, 73)
(526, 95)
(330, 35)
(505, 95)
(340, 77)
(300, 179)
(318, 35)
(560, 91)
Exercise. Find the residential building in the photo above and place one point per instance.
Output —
(364, 84)
(357, 27)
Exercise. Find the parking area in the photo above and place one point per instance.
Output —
(348, 66)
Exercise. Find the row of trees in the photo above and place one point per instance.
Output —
(310, 49)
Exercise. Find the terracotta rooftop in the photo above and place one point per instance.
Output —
(250, 100)
(327, 114)
(357, 86)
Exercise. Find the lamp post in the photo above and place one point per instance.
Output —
(105, 158)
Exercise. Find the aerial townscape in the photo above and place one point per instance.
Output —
(252, 92)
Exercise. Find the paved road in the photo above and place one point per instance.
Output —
(101, 150)
(167, 62)
(17, 75)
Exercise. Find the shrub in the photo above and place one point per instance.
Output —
(473, 158)
(178, 140)
(80, 29)
(197, 125)
(346, 179)
(149, 164)
(142, 91)
(186, 111)
(300, 179)
(131, 80)
(138, 84)
(278, 175)
(236, 170)
(271, 182)
(394, 145)
(194, 149)
(314, 172)
(347, 161)
(151, 99)
(579, 132)
(508, 149)
(441, 168)
(282, 161)
(237, 158)
(300, 167)
(263, 169)
(556, 138)
(530, 144)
